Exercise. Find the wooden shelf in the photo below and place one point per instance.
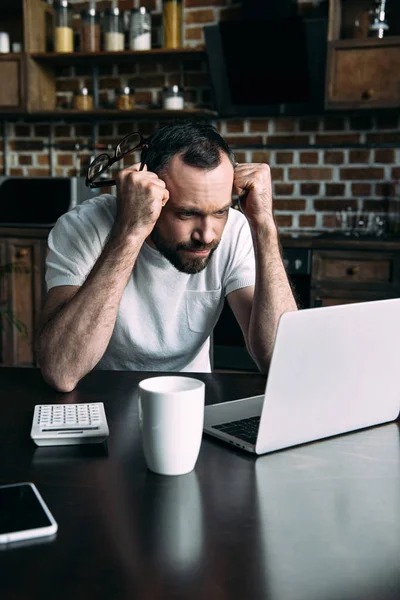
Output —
(366, 42)
(105, 115)
(126, 56)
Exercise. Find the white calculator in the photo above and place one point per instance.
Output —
(67, 424)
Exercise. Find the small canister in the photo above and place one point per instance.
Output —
(64, 34)
(90, 31)
(173, 98)
(4, 42)
(125, 98)
(140, 29)
(172, 23)
(83, 99)
(114, 37)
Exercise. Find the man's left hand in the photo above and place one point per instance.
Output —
(252, 182)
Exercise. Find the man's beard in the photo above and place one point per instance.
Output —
(182, 260)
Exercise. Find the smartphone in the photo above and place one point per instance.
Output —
(24, 514)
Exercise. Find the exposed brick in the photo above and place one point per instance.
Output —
(83, 130)
(260, 156)
(127, 69)
(284, 125)
(290, 204)
(43, 160)
(359, 156)
(37, 172)
(41, 131)
(65, 160)
(307, 220)
(375, 205)
(105, 129)
(25, 159)
(194, 33)
(333, 158)
(361, 123)
(244, 140)
(143, 98)
(384, 137)
(235, 126)
(333, 124)
(387, 121)
(333, 204)
(259, 125)
(308, 124)
(148, 68)
(309, 189)
(70, 85)
(232, 13)
(330, 221)
(149, 81)
(360, 173)
(195, 3)
(361, 189)
(22, 131)
(284, 220)
(334, 189)
(284, 158)
(396, 173)
(62, 130)
(309, 158)
(16, 172)
(311, 174)
(240, 157)
(195, 79)
(283, 189)
(276, 174)
(289, 140)
(340, 138)
(206, 15)
(385, 155)
(384, 190)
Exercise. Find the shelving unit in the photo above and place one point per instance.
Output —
(107, 115)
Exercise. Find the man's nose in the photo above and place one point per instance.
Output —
(204, 232)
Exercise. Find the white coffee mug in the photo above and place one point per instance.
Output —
(171, 416)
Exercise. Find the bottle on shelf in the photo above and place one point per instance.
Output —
(64, 34)
(173, 98)
(90, 29)
(125, 99)
(172, 23)
(140, 29)
(83, 99)
(114, 37)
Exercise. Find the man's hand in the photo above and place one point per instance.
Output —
(252, 182)
(141, 196)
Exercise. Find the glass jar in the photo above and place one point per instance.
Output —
(172, 23)
(83, 99)
(125, 99)
(114, 38)
(173, 98)
(140, 29)
(90, 31)
(64, 33)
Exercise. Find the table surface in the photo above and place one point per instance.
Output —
(316, 522)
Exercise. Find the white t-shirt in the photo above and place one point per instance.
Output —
(165, 317)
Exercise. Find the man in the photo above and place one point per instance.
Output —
(137, 282)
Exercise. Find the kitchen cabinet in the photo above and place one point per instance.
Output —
(22, 289)
(362, 72)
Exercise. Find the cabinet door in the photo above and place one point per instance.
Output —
(364, 76)
(25, 261)
(12, 95)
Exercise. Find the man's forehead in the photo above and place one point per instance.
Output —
(180, 174)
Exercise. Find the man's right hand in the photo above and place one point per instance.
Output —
(141, 196)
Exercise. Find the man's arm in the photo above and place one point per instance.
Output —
(77, 323)
(258, 309)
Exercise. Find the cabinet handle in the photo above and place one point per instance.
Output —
(352, 270)
(22, 253)
(367, 94)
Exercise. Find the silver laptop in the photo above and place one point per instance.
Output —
(333, 370)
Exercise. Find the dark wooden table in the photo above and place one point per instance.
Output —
(317, 522)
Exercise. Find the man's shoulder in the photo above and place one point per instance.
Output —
(99, 210)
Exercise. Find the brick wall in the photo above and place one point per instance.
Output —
(310, 186)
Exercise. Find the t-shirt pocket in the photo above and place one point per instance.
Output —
(203, 309)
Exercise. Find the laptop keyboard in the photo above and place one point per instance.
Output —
(245, 429)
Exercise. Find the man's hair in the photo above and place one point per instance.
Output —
(196, 142)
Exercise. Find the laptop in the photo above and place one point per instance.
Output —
(333, 370)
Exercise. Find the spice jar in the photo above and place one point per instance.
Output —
(125, 99)
(114, 38)
(83, 100)
(172, 23)
(64, 34)
(90, 31)
(140, 29)
(173, 98)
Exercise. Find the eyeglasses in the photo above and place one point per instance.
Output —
(132, 141)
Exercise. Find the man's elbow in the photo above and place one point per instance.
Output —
(59, 382)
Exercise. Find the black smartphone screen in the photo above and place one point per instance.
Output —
(20, 509)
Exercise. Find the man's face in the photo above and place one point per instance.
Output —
(190, 226)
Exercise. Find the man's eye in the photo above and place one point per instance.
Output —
(186, 214)
(220, 213)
